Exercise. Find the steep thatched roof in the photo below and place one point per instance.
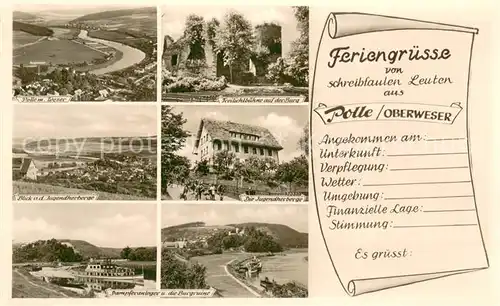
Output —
(221, 130)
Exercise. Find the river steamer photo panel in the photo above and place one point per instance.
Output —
(81, 52)
(235, 251)
(71, 250)
(234, 153)
(235, 54)
(84, 152)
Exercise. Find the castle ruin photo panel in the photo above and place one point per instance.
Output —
(211, 52)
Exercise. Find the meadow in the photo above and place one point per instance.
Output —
(20, 38)
(56, 52)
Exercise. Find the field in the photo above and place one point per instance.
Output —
(56, 52)
(25, 285)
(34, 188)
(20, 38)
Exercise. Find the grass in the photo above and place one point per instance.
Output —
(22, 288)
(57, 52)
(20, 38)
(27, 188)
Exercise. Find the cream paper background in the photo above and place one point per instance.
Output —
(478, 288)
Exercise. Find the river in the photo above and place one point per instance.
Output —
(131, 56)
(288, 268)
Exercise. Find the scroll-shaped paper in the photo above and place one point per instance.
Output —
(390, 151)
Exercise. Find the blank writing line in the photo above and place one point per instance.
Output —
(447, 210)
(435, 168)
(439, 197)
(444, 139)
(437, 225)
(418, 183)
(427, 154)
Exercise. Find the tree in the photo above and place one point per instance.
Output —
(223, 163)
(194, 34)
(304, 140)
(179, 275)
(125, 253)
(234, 40)
(173, 138)
(295, 172)
(202, 168)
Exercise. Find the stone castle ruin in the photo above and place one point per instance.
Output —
(184, 58)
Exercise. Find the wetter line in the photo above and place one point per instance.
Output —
(418, 183)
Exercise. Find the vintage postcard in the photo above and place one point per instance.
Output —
(235, 153)
(83, 152)
(66, 250)
(244, 54)
(64, 53)
(235, 251)
(187, 153)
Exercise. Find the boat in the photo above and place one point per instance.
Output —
(253, 267)
(103, 275)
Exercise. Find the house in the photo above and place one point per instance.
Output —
(24, 168)
(181, 244)
(243, 140)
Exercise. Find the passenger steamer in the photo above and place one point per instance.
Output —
(103, 275)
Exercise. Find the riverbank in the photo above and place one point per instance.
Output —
(129, 56)
(290, 289)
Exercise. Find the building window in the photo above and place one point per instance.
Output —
(245, 149)
(254, 151)
(261, 151)
(269, 152)
(174, 60)
(236, 147)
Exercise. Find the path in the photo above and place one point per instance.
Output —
(131, 56)
(176, 190)
(31, 43)
(219, 277)
(39, 286)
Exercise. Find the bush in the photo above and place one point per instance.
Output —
(194, 84)
(245, 78)
(179, 275)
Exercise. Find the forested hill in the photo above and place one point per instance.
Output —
(67, 250)
(31, 29)
(115, 13)
(285, 235)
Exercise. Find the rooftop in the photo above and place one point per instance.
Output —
(222, 130)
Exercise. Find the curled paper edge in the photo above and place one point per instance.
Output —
(362, 286)
(347, 24)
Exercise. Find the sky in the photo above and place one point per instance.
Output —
(114, 225)
(84, 120)
(292, 215)
(174, 18)
(286, 123)
(69, 10)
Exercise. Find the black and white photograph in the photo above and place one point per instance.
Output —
(73, 250)
(234, 153)
(236, 251)
(84, 152)
(211, 52)
(80, 52)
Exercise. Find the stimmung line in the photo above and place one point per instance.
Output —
(436, 225)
